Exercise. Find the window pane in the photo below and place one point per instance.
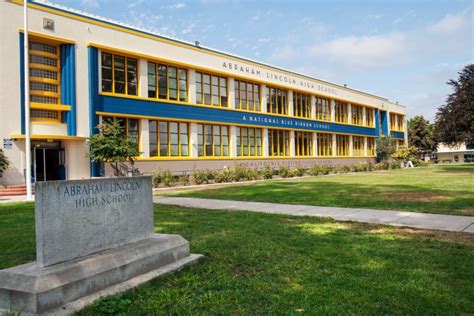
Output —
(151, 80)
(162, 82)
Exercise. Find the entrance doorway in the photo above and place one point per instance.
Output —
(49, 161)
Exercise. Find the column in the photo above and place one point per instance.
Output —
(405, 130)
(263, 98)
(265, 143)
(144, 138)
(313, 107)
(291, 111)
(364, 116)
(192, 86)
(349, 113)
(233, 141)
(333, 110)
(292, 144)
(366, 148)
(143, 77)
(334, 145)
(193, 141)
(351, 146)
(231, 90)
(388, 123)
(315, 144)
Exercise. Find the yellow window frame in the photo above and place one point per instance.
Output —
(247, 103)
(219, 77)
(126, 57)
(281, 109)
(158, 140)
(255, 138)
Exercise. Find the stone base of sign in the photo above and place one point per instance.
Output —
(67, 287)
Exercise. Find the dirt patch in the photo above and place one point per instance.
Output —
(413, 196)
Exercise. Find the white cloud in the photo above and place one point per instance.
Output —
(364, 52)
(174, 6)
(134, 4)
(188, 29)
(90, 4)
(451, 23)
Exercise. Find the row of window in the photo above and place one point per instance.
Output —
(171, 139)
(396, 122)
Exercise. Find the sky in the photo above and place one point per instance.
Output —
(402, 50)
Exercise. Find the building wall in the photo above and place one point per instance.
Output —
(86, 32)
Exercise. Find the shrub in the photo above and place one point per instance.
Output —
(210, 175)
(342, 169)
(184, 179)
(267, 172)
(326, 170)
(283, 171)
(200, 177)
(241, 173)
(167, 178)
(299, 171)
(361, 167)
(314, 170)
(225, 175)
(156, 179)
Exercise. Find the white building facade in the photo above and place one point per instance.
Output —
(187, 107)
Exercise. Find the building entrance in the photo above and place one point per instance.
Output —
(49, 161)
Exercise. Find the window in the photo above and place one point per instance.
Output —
(119, 74)
(324, 145)
(213, 140)
(369, 116)
(301, 105)
(341, 112)
(304, 144)
(358, 146)
(277, 101)
(211, 90)
(342, 145)
(247, 96)
(278, 143)
(130, 127)
(44, 79)
(249, 141)
(170, 82)
(169, 139)
(323, 109)
(371, 146)
(468, 158)
(396, 122)
(357, 115)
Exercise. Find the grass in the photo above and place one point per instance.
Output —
(440, 189)
(277, 264)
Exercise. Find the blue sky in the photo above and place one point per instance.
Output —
(403, 50)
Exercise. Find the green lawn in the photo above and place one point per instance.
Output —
(276, 264)
(440, 189)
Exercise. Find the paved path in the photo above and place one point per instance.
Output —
(407, 219)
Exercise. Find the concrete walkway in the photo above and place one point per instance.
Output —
(407, 219)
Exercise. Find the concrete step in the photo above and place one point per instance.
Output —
(17, 186)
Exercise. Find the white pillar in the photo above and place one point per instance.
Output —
(292, 144)
(333, 110)
(366, 148)
(144, 138)
(192, 86)
(364, 116)
(313, 107)
(290, 103)
(315, 144)
(143, 77)
(233, 141)
(263, 98)
(349, 113)
(405, 130)
(334, 145)
(193, 141)
(231, 90)
(265, 143)
(351, 146)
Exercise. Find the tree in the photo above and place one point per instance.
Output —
(420, 135)
(4, 163)
(384, 149)
(112, 146)
(405, 154)
(455, 120)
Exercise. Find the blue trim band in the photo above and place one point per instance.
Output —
(396, 134)
(125, 106)
(22, 84)
(93, 100)
(68, 86)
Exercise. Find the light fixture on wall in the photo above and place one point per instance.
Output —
(197, 43)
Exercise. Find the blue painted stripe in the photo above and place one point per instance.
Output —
(126, 106)
(68, 86)
(22, 84)
(93, 66)
(396, 134)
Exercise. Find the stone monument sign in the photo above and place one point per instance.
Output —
(93, 238)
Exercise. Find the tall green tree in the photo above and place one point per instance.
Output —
(112, 146)
(455, 119)
(4, 163)
(421, 135)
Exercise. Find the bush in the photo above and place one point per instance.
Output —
(326, 170)
(200, 177)
(241, 173)
(299, 172)
(225, 175)
(167, 178)
(156, 179)
(314, 170)
(267, 172)
(184, 179)
(361, 167)
(342, 169)
(283, 171)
